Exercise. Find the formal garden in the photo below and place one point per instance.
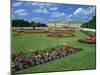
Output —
(48, 51)
(51, 37)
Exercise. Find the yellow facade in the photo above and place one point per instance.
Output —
(55, 25)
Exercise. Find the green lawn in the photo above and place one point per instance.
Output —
(84, 59)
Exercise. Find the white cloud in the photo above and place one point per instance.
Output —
(91, 10)
(45, 4)
(68, 9)
(41, 10)
(68, 16)
(81, 11)
(17, 4)
(42, 5)
(57, 14)
(37, 19)
(84, 17)
(69, 19)
(35, 3)
(21, 12)
(53, 8)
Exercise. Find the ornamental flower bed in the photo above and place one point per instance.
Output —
(88, 40)
(21, 61)
(56, 34)
(68, 30)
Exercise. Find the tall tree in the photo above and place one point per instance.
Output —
(33, 24)
(90, 24)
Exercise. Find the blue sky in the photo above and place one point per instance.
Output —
(44, 12)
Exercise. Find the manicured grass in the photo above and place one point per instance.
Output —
(84, 59)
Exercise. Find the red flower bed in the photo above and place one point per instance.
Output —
(88, 40)
(56, 34)
(20, 61)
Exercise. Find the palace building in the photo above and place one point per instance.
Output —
(63, 25)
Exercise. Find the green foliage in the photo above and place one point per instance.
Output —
(90, 24)
(23, 23)
(33, 24)
(20, 23)
(41, 25)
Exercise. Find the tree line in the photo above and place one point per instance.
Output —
(24, 23)
(91, 24)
